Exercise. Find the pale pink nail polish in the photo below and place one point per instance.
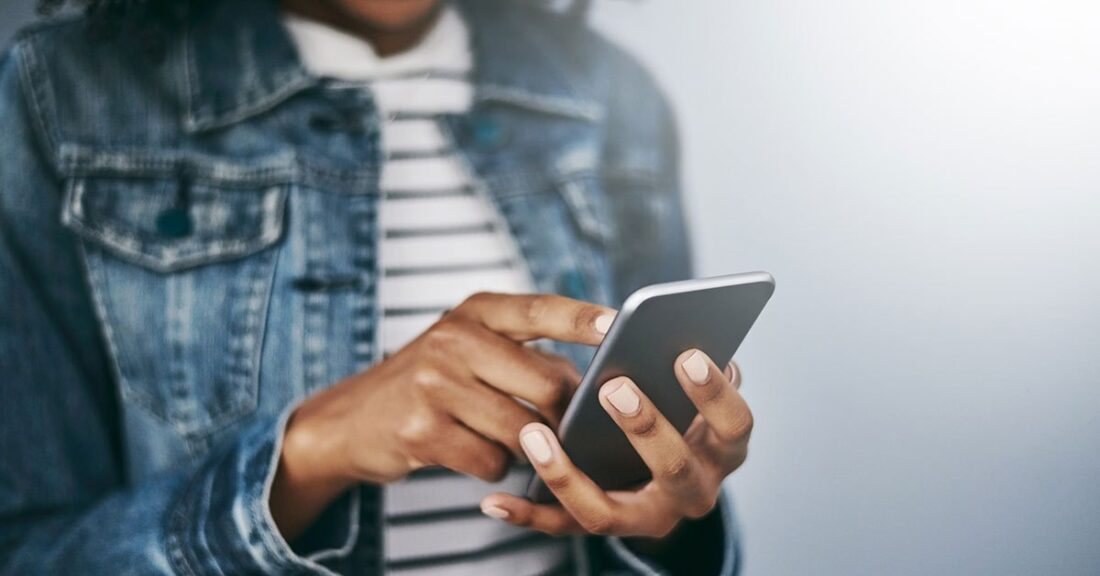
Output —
(537, 446)
(603, 323)
(695, 366)
(494, 512)
(625, 400)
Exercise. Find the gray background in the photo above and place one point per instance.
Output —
(921, 178)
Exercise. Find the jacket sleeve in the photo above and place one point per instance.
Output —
(65, 503)
(642, 178)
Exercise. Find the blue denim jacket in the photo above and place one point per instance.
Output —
(188, 248)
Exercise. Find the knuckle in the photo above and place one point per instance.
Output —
(678, 470)
(554, 392)
(602, 523)
(427, 378)
(523, 519)
(560, 525)
(418, 431)
(645, 426)
(740, 424)
(535, 309)
(585, 318)
(445, 335)
(493, 464)
(474, 300)
(712, 394)
(558, 482)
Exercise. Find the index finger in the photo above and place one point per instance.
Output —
(524, 317)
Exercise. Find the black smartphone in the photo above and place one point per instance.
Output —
(654, 326)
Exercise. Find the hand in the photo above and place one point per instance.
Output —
(448, 398)
(687, 470)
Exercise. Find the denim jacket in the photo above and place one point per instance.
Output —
(188, 248)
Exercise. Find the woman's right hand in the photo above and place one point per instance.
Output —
(448, 398)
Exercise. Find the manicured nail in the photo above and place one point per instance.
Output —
(733, 375)
(624, 399)
(603, 323)
(696, 368)
(494, 511)
(537, 446)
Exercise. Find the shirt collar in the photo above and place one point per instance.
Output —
(239, 61)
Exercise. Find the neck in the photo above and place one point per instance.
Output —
(385, 39)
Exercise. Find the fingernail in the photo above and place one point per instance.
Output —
(603, 323)
(733, 374)
(494, 511)
(537, 446)
(625, 400)
(696, 368)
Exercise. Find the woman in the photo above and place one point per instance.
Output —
(268, 273)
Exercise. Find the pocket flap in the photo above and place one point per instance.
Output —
(169, 224)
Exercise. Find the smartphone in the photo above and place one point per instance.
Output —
(653, 327)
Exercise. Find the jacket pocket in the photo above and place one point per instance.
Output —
(181, 273)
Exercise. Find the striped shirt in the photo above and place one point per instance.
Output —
(442, 240)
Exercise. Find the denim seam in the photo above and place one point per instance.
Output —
(538, 102)
(36, 82)
(96, 288)
(315, 303)
(73, 163)
(182, 529)
(179, 390)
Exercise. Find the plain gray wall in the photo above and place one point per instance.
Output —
(923, 179)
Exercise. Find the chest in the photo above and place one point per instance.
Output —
(235, 275)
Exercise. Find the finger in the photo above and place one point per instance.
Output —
(487, 411)
(646, 512)
(563, 365)
(458, 448)
(549, 519)
(533, 316)
(576, 492)
(508, 366)
(733, 374)
(674, 466)
(715, 395)
(525, 373)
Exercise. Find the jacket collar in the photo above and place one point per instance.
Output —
(239, 61)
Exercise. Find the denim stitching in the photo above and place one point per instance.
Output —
(35, 80)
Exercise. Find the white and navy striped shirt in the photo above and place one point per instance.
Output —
(442, 240)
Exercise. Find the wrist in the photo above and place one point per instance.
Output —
(312, 452)
(308, 478)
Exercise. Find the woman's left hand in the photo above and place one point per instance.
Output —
(687, 470)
